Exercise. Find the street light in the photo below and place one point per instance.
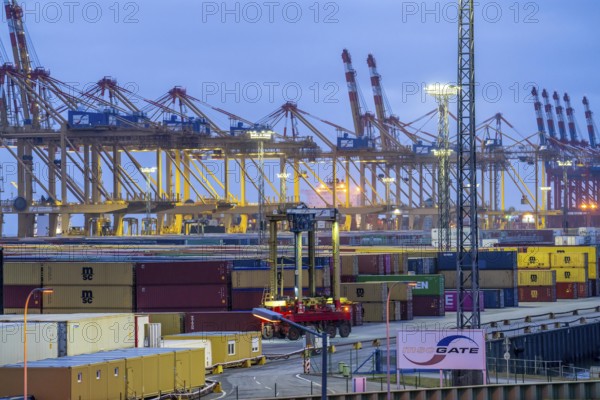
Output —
(387, 331)
(36, 290)
(148, 171)
(261, 136)
(272, 316)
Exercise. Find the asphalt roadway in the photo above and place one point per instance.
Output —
(284, 376)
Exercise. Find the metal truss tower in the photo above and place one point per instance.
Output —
(467, 268)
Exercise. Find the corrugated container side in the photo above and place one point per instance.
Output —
(357, 315)
(488, 279)
(493, 298)
(428, 306)
(492, 260)
(247, 299)
(104, 333)
(511, 297)
(565, 260)
(177, 297)
(583, 290)
(375, 291)
(368, 264)
(376, 311)
(22, 273)
(171, 323)
(89, 297)
(432, 285)
(183, 273)
(16, 295)
(537, 293)
(451, 301)
(591, 252)
(533, 260)
(566, 290)
(260, 278)
(349, 265)
(537, 277)
(87, 273)
(577, 275)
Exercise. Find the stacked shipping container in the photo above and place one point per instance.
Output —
(182, 286)
(373, 298)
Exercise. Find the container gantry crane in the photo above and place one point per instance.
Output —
(571, 119)
(562, 129)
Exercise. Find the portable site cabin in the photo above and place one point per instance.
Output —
(117, 374)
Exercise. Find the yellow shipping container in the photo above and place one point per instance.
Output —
(571, 275)
(531, 260)
(89, 297)
(375, 291)
(589, 250)
(537, 277)
(260, 278)
(89, 274)
(22, 273)
(171, 323)
(566, 260)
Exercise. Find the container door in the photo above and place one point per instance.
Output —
(62, 339)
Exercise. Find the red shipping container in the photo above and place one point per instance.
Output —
(232, 321)
(184, 309)
(182, 273)
(247, 299)
(180, 297)
(368, 264)
(537, 293)
(428, 306)
(566, 290)
(16, 295)
(348, 278)
(583, 290)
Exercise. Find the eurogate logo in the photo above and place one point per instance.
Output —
(443, 349)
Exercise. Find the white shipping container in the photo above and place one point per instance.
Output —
(569, 240)
(191, 344)
(489, 242)
(86, 333)
(42, 341)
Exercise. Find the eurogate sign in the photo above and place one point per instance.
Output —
(443, 349)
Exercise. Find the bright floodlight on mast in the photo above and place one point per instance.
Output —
(442, 94)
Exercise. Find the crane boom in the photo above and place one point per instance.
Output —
(571, 119)
(560, 117)
(353, 93)
(539, 116)
(549, 114)
(589, 117)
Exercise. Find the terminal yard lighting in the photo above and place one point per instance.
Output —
(272, 316)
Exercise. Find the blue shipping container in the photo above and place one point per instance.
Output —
(487, 260)
(493, 298)
(511, 297)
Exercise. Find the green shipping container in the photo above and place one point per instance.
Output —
(427, 285)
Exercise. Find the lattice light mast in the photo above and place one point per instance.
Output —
(442, 95)
(467, 268)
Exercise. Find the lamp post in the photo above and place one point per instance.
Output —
(272, 316)
(261, 136)
(36, 290)
(387, 331)
(147, 171)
